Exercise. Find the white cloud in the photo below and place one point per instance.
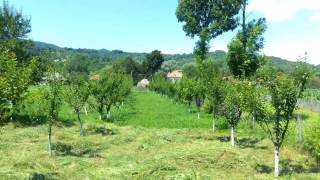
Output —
(281, 10)
(292, 50)
(315, 17)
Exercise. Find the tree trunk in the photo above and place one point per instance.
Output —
(244, 40)
(213, 125)
(189, 109)
(81, 124)
(85, 111)
(198, 115)
(253, 122)
(81, 129)
(108, 109)
(277, 145)
(108, 114)
(49, 140)
(299, 118)
(232, 136)
(276, 161)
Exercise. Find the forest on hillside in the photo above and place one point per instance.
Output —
(108, 56)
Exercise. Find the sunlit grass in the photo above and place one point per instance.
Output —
(151, 137)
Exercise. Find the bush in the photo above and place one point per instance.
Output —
(312, 141)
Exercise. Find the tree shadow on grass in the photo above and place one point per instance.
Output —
(104, 131)
(243, 143)
(263, 169)
(249, 143)
(28, 121)
(25, 121)
(287, 167)
(65, 123)
(224, 138)
(63, 149)
(41, 176)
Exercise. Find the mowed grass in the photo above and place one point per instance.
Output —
(148, 109)
(151, 143)
(113, 152)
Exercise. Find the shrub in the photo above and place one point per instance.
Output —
(312, 141)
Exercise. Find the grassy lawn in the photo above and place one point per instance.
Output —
(148, 109)
(151, 138)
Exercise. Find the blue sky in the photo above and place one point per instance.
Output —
(145, 25)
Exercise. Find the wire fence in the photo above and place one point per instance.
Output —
(313, 105)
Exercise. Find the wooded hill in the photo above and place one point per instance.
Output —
(103, 57)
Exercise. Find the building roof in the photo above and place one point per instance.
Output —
(175, 74)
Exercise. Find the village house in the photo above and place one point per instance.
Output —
(175, 76)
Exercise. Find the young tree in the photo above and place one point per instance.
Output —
(207, 19)
(14, 82)
(17, 68)
(199, 94)
(7, 70)
(233, 105)
(159, 83)
(186, 91)
(215, 93)
(302, 74)
(110, 89)
(284, 94)
(78, 92)
(53, 99)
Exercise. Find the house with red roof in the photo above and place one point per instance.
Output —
(175, 76)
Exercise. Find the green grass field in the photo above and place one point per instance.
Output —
(151, 137)
(151, 110)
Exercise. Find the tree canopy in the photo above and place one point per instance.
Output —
(207, 19)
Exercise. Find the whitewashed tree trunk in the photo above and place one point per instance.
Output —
(109, 114)
(253, 122)
(213, 125)
(198, 115)
(276, 161)
(85, 111)
(299, 119)
(232, 136)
